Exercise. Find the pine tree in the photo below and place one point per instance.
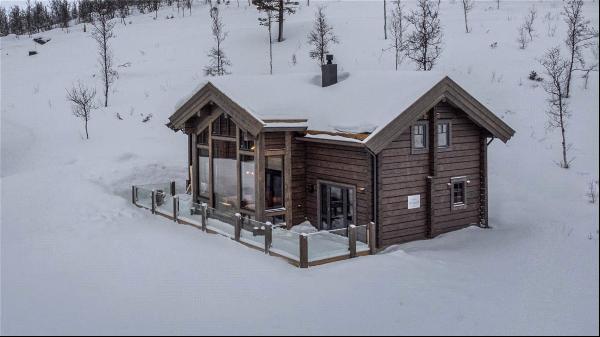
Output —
(15, 20)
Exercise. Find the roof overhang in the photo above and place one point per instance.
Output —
(445, 90)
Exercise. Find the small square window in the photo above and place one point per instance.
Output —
(443, 133)
(458, 193)
(419, 137)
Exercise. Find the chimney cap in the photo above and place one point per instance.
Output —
(329, 58)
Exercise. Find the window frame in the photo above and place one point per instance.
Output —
(459, 205)
(425, 148)
(352, 190)
(283, 205)
(448, 146)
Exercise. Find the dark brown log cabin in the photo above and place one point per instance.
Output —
(421, 174)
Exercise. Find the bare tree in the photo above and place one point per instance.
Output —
(557, 70)
(82, 101)
(321, 37)
(398, 32)
(467, 7)
(529, 21)
(268, 9)
(579, 36)
(102, 32)
(283, 7)
(592, 192)
(385, 20)
(424, 43)
(522, 37)
(218, 61)
(497, 4)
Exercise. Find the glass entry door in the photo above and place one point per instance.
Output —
(336, 206)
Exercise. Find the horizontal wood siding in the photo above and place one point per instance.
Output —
(298, 181)
(402, 174)
(274, 140)
(463, 159)
(339, 164)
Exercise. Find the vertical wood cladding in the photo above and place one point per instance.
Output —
(402, 174)
(298, 181)
(338, 164)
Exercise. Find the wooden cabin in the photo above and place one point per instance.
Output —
(405, 150)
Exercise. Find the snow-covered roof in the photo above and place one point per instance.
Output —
(360, 103)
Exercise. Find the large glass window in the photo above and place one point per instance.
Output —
(203, 172)
(224, 174)
(247, 175)
(223, 126)
(274, 197)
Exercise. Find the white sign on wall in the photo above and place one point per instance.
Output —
(414, 201)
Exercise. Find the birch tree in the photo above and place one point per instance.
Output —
(424, 43)
(82, 101)
(557, 70)
(218, 61)
(321, 37)
(102, 32)
(467, 7)
(398, 32)
(268, 8)
(579, 36)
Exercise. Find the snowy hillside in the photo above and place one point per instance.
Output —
(77, 257)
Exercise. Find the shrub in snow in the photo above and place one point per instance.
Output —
(592, 192)
(522, 38)
(147, 118)
(494, 45)
(533, 76)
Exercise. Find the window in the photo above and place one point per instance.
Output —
(459, 193)
(203, 137)
(274, 182)
(247, 175)
(443, 133)
(203, 174)
(246, 141)
(223, 126)
(224, 175)
(419, 136)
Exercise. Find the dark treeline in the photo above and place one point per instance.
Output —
(37, 16)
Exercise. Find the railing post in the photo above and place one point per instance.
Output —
(268, 236)
(238, 226)
(204, 207)
(175, 208)
(153, 196)
(303, 250)
(352, 240)
(371, 238)
(133, 195)
(172, 188)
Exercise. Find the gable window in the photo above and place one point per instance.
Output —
(223, 126)
(274, 182)
(458, 197)
(246, 141)
(443, 134)
(419, 136)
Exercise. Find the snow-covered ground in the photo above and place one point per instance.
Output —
(77, 257)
